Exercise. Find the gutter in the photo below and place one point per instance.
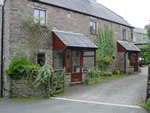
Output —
(2, 33)
(125, 62)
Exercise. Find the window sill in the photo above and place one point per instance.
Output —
(124, 39)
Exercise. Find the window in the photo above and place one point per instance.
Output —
(41, 59)
(40, 14)
(93, 26)
(134, 38)
(88, 60)
(123, 33)
(58, 59)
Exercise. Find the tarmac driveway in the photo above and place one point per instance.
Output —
(111, 96)
(124, 91)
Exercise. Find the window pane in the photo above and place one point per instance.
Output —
(75, 61)
(58, 59)
(36, 14)
(88, 63)
(91, 27)
(41, 59)
(91, 23)
(42, 17)
(94, 27)
(88, 53)
(41, 55)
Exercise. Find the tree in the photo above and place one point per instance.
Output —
(105, 42)
(146, 48)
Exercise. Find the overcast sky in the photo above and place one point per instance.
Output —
(136, 12)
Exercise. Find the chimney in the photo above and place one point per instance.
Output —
(92, 1)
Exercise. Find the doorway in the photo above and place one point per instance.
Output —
(76, 66)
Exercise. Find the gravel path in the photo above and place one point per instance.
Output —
(128, 91)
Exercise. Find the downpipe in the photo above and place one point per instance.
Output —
(125, 62)
(2, 33)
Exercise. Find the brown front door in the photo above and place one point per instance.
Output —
(76, 66)
(136, 62)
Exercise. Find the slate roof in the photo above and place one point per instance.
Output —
(75, 40)
(95, 9)
(129, 46)
(140, 30)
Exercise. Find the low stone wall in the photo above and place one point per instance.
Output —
(20, 88)
(130, 70)
(67, 79)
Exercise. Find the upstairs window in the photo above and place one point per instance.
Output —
(93, 26)
(40, 14)
(134, 38)
(124, 34)
(41, 59)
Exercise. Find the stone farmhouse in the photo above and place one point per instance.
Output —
(75, 24)
(139, 37)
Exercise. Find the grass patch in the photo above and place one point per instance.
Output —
(94, 81)
(26, 99)
(147, 105)
(56, 95)
(1, 99)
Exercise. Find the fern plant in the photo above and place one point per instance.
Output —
(43, 75)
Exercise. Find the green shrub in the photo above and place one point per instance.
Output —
(116, 72)
(140, 70)
(43, 75)
(106, 73)
(92, 81)
(94, 73)
(103, 62)
(147, 105)
(17, 65)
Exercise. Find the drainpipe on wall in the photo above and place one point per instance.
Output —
(64, 57)
(2, 32)
(125, 62)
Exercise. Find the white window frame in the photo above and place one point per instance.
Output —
(39, 15)
(134, 38)
(124, 33)
(94, 25)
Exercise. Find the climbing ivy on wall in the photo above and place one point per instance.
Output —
(105, 42)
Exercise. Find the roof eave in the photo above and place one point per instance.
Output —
(79, 12)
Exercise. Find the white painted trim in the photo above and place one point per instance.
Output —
(101, 103)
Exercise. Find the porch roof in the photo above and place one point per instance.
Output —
(129, 46)
(71, 39)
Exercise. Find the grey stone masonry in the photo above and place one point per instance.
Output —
(21, 88)
(58, 19)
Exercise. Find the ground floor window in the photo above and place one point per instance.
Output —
(88, 60)
(41, 59)
(58, 59)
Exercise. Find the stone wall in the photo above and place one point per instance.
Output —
(58, 19)
(120, 56)
(20, 88)
(67, 79)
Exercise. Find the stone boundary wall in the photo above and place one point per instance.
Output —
(20, 88)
